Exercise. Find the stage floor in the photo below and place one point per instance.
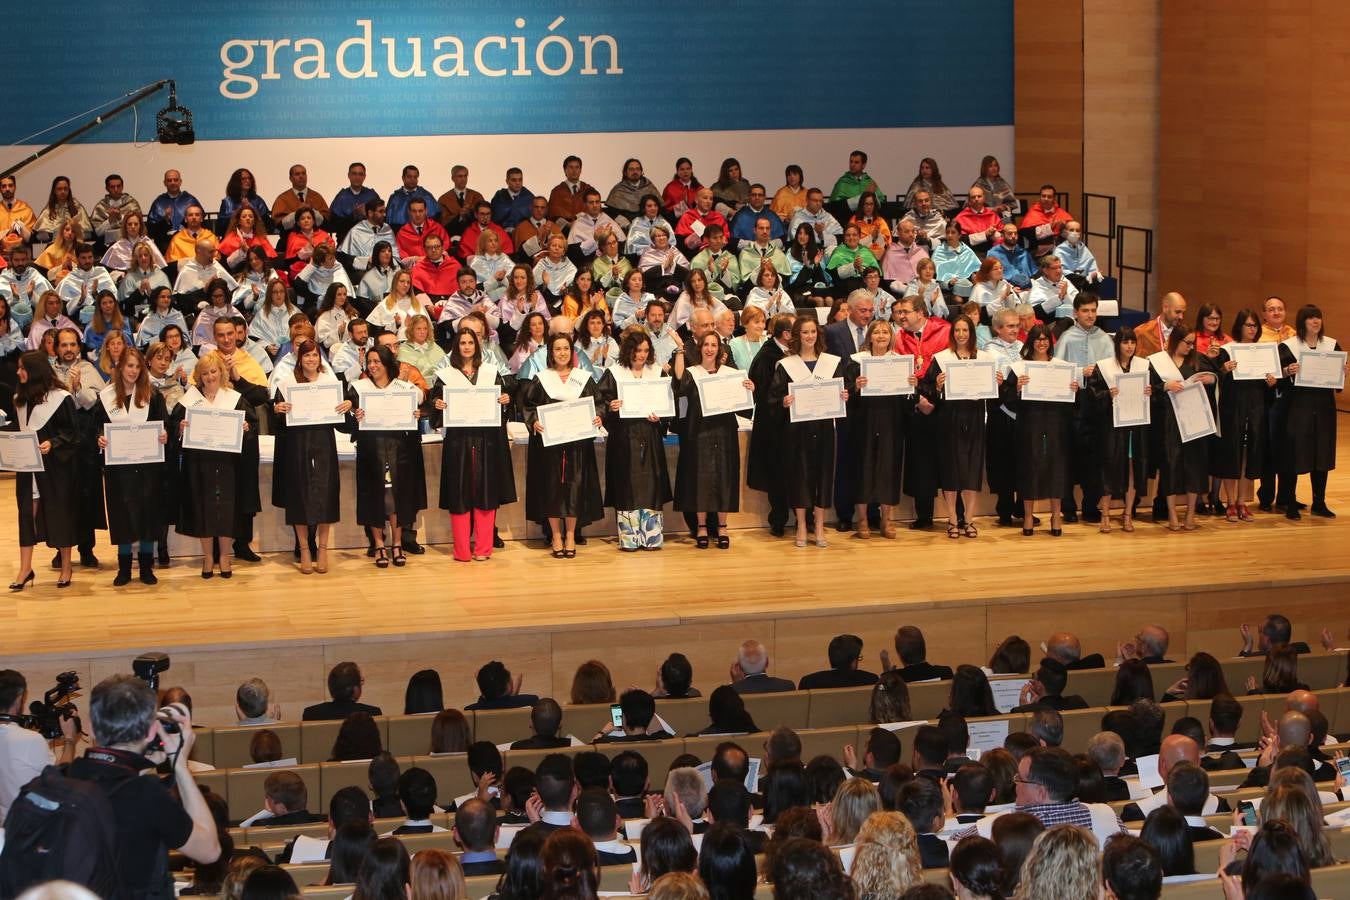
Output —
(544, 615)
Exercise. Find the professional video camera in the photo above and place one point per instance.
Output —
(147, 667)
(54, 706)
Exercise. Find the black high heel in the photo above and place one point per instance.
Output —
(701, 542)
(397, 556)
(381, 558)
(65, 583)
(19, 585)
(723, 542)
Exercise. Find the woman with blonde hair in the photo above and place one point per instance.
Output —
(436, 875)
(1064, 864)
(1292, 796)
(886, 857)
(842, 817)
(398, 306)
(111, 353)
(674, 886)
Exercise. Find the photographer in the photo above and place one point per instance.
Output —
(128, 735)
(24, 753)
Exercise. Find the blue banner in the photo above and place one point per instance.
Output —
(291, 69)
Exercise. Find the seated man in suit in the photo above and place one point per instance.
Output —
(597, 818)
(1275, 632)
(1107, 750)
(417, 794)
(729, 803)
(545, 720)
(1065, 647)
(929, 756)
(731, 762)
(485, 771)
(675, 678)
(1293, 735)
(497, 689)
(286, 801)
(1225, 715)
(749, 675)
(1188, 792)
(845, 653)
(913, 652)
(517, 788)
(1046, 726)
(921, 802)
(475, 833)
(1149, 646)
(557, 788)
(957, 734)
(685, 794)
(882, 752)
(628, 782)
(639, 720)
(591, 770)
(344, 686)
(1047, 689)
(973, 789)
(1176, 749)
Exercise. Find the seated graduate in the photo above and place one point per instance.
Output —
(554, 272)
(527, 241)
(955, 261)
(630, 306)
(520, 301)
(420, 350)
(808, 278)
(722, 266)
(663, 266)
(929, 180)
(1018, 265)
(598, 818)
(301, 241)
(743, 223)
(730, 191)
(583, 296)
(411, 237)
(511, 204)
(746, 346)
(591, 226)
(244, 231)
(106, 319)
(529, 339)
(379, 278)
(768, 295)
(695, 296)
(692, 228)
(85, 281)
(595, 342)
(117, 258)
(791, 196)
(639, 723)
(997, 192)
(845, 655)
(625, 198)
(609, 267)
(392, 313)
(1080, 265)
(490, 264)
(876, 234)
(1044, 221)
(272, 323)
(678, 196)
(847, 261)
(459, 203)
(640, 228)
(335, 311)
(568, 197)
(929, 222)
(436, 273)
(467, 298)
(358, 245)
(854, 182)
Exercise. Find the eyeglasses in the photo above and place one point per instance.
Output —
(1018, 779)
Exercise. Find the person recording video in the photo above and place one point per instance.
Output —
(24, 753)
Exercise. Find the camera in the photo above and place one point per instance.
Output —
(147, 667)
(54, 707)
(173, 123)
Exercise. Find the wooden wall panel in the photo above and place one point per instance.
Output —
(1048, 104)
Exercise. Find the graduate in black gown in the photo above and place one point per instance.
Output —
(169, 380)
(1042, 437)
(214, 484)
(708, 474)
(562, 482)
(305, 477)
(637, 481)
(960, 433)
(808, 447)
(135, 493)
(876, 456)
(476, 472)
(764, 468)
(1123, 451)
(1183, 467)
(1238, 455)
(1310, 425)
(47, 501)
(391, 480)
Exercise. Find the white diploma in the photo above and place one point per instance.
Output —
(221, 430)
(645, 397)
(816, 400)
(568, 421)
(724, 392)
(1190, 406)
(19, 452)
(1130, 407)
(1254, 361)
(971, 379)
(314, 403)
(390, 410)
(133, 443)
(1049, 381)
(1321, 369)
(887, 376)
(477, 406)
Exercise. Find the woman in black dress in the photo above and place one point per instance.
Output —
(1310, 426)
(47, 500)
(135, 493)
(637, 482)
(391, 481)
(476, 473)
(562, 482)
(708, 474)
(808, 447)
(1183, 469)
(1041, 436)
(1238, 454)
(305, 477)
(877, 435)
(960, 431)
(1124, 451)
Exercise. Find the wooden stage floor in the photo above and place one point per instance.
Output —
(544, 616)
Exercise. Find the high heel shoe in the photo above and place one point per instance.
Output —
(65, 582)
(208, 573)
(321, 564)
(19, 585)
(398, 558)
(381, 558)
(701, 541)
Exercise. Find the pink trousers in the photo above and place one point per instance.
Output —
(483, 521)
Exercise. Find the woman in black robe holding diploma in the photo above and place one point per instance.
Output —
(637, 481)
(1124, 451)
(562, 482)
(1041, 435)
(960, 432)
(808, 446)
(1183, 469)
(876, 456)
(1238, 454)
(213, 486)
(476, 473)
(48, 500)
(305, 477)
(135, 493)
(708, 474)
(391, 480)
(1310, 429)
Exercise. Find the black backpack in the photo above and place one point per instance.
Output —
(60, 827)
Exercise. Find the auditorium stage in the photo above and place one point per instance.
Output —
(545, 616)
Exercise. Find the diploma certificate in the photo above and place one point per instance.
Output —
(1254, 361)
(389, 410)
(644, 397)
(724, 393)
(1130, 407)
(1321, 369)
(133, 443)
(19, 452)
(314, 403)
(472, 407)
(817, 399)
(1190, 406)
(887, 376)
(220, 430)
(568, 421)
(971, 379)
(1049, 382)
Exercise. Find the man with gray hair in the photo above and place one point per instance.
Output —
(1107, 750)
(1149, 646)
(685, 793)
(749, 674)
(251, 704)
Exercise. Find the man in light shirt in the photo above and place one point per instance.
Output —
(591, 226)
(85, 282)
(360, 242)
(1052, 290)
(826, 226)
(25, 753)
(196, 273)
(926, 219)
(108, 213)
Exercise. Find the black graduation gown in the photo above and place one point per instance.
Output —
(876, 442)
(1041, 438)
(960, 438)
(305, 476)
(708, 474)
(1310, 425)
(636, 474)
(1183, 468)
(807, 452)
(56, 519)
(135, 494)
(210, 490)
(1244, 407)
(171, 473)
(1120, 449)
(764, 460)
(561, 481)
(921, 442)
(250, 460)
(476, 471)
(89, 471)
(400, 452)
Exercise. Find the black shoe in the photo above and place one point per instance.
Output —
(163, 560)
(920, 524)
(1005, 521)
(147, 566)
(1071, 518)
(56, 560)
(777, 530)
(497, 542)
(1201, 507)
(88, 560)
(295, 552)
(1293, 514)
(1320, 510)
(370, 551)
(411, 546)
(843, 525)
(1028, 532)
(1056, 532)
(1264, 507)
(245, 553)
(1092, 518)
(1300, 504)
(1035, 520)
(581, 540)
(123, 570)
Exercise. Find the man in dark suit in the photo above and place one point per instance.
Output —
(1293, 744)
(417, 794)
(1225, 716)
(639, 720)
(1047, 689)
(882, 752)
(598, 818)
(749, 675)
(557, 788)
(763, 469)
(843, 339)
(929, 757)
(498, 689)
(286, 797)
(920, 801)
(344, 686)
(545, 720)
(729, 802)
(628, 782)
(475, 832)
(1176, 750)
(845, 654)
(1188, 792)
(1065, 648)
(1276, 631)
(973, 789)
(1107, 750)
(912, 649)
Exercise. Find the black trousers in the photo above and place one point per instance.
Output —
(1087, 470)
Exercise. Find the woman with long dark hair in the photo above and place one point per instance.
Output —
(1183, 467)
(1239, 454)
(806, 263)
(241, 191)
(960, 430)
(929, 178)
(876, 450)
(1123, 451)
(708, 475)
(1310, 424)
(727, 713)
(1042, 437)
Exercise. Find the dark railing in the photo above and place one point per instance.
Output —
(1134, 256)
(1087, 218)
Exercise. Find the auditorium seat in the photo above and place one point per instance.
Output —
(839, 706)
(615, 879)
(307, 874)
(232, 742)
(1079, 727)
(530, 758)
(502, 726)
(771, 710)
(477, 887)
(436, 840)
(451, 772)
(246, 789)
(410, 735)
(334, 892)
(686, 715)
(1317, 669)
(658, 754)
(262, 834)
(831, 741)
(928, 698)
(334, 776)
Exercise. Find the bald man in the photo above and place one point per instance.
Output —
(1149, 646)
(749, 674)
(1176, 748)
(1294, 735)
(1065, 647)
(1151, 337)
